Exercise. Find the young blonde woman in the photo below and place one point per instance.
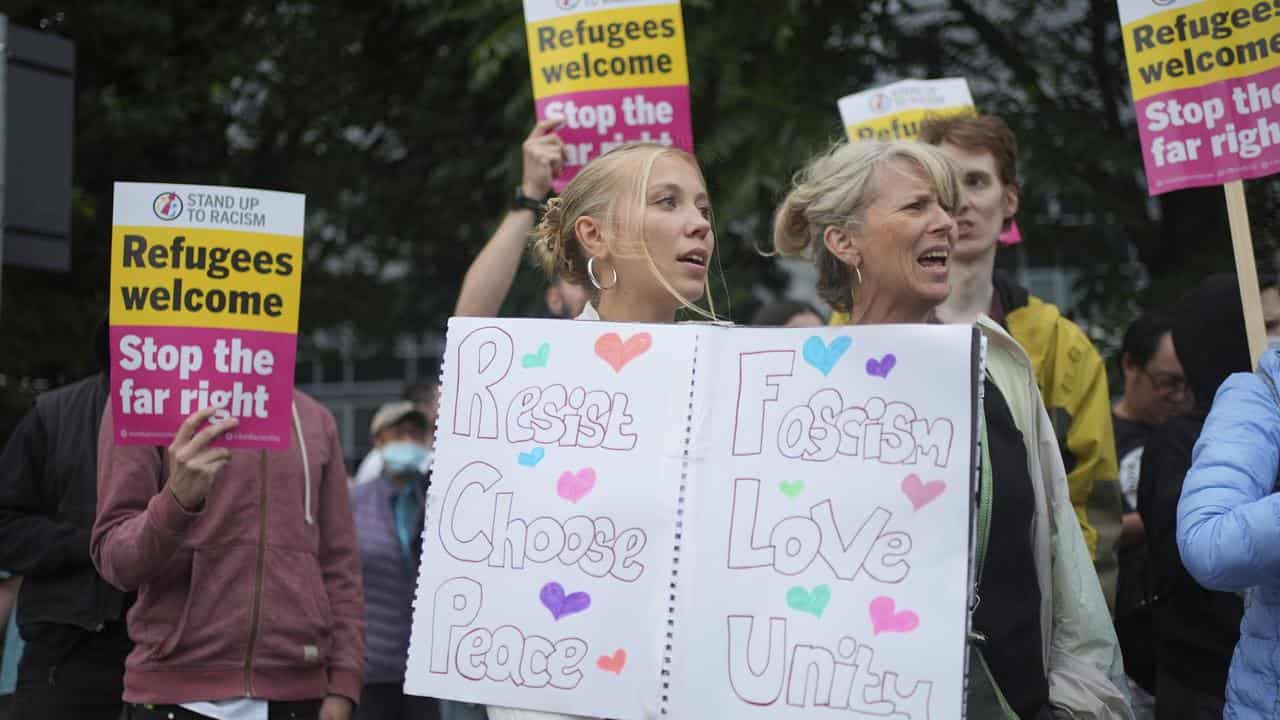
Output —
(878, 220)
(634, 226)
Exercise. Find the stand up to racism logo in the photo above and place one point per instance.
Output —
(167, 206)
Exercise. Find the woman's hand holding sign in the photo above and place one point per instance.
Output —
(192, 463)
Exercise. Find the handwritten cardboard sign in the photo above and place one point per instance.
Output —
(627, 519)
(205, 283)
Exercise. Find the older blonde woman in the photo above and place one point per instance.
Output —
(877, 219)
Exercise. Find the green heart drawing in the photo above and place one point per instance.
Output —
(791, 488)
(813, 602)
(538, 359)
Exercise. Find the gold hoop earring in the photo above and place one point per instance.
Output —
(858, 272)
(591, 275)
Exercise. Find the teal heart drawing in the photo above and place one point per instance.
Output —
(531, 458)
(791, 488)
(825, 356)
(813, 601)
(538, 359)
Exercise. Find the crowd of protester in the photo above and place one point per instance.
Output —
(1128, 570)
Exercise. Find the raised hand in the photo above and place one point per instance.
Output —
(544, 156)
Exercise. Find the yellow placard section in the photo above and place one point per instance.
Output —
(1201, 44)
(608, 50)
(903, 125)
(190, 277)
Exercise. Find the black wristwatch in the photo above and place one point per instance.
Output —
(520, 201)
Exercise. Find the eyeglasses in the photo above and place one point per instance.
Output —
(1166, 383)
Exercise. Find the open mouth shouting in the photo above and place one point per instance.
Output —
(934, 261)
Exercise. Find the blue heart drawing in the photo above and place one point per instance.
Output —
(531, 458)
(824, 356)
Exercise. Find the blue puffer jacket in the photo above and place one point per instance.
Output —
(1229, 529)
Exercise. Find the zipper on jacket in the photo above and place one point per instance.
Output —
(257, 578)
(986, 501)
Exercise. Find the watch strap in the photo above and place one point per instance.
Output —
(520, 201)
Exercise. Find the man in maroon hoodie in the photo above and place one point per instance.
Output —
(246, 567)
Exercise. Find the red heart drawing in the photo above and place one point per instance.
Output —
(612, 664)
(617, 353)
(921, 494)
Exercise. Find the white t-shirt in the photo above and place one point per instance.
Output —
(235, 709)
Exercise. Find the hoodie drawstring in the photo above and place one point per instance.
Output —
(306, 465)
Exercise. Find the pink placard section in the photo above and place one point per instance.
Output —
(1212, 134)
(595, 122)
(160, 375)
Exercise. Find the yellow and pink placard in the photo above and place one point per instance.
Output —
(895, 111)
(1206, 88)
(205, 283)
(615, 71)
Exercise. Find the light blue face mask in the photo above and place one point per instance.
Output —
(403, 458)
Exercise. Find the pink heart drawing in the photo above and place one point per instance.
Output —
(617, 353)
(884, 619)
(921, 494)
(574, 486)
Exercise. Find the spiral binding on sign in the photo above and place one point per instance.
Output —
(979, 396)
(674, 583)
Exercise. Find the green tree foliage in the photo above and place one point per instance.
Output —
(401, 122)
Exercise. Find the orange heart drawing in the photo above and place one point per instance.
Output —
(612, 664)
(617, 353)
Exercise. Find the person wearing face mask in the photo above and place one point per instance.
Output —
(388, 519)
(424, 396)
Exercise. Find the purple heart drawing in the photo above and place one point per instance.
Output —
(554, 599)
(881, 367)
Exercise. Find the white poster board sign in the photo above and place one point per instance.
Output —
(628, 519)
(895, 111)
